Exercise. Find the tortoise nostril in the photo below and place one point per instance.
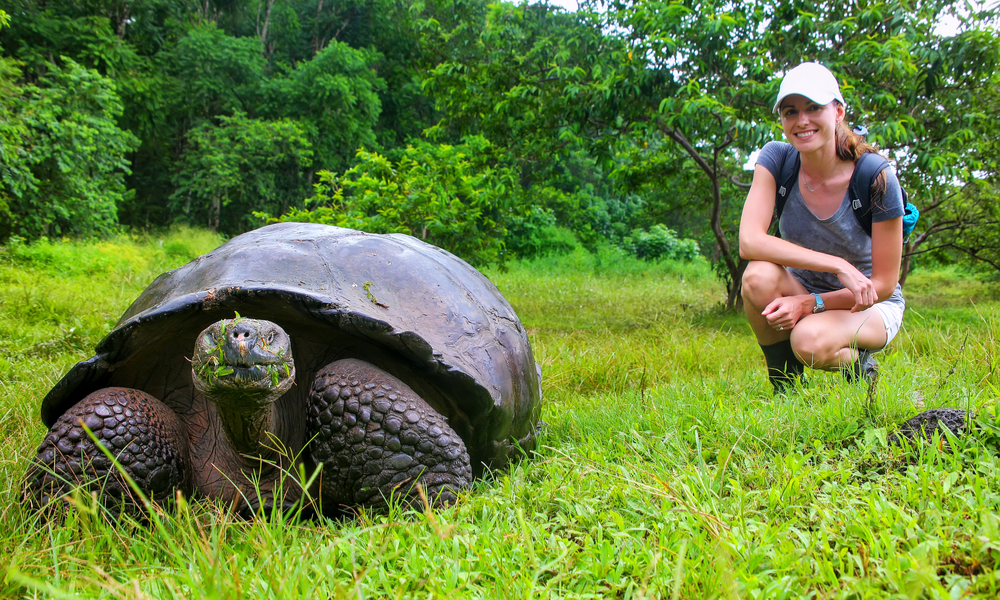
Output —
(242, 333)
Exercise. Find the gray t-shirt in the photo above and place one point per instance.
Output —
(840, 235)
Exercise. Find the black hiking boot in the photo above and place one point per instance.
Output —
(864, 367)
(782, 366)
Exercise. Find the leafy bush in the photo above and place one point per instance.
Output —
(63, 158)
(660, 242)
(240, 166)
(449, 196)
(536, 233)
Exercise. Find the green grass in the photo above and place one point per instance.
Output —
(665, 470)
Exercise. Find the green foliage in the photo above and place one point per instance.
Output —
(15, 174)
(216, 74)
(536, 233)
(242, 165)
(179, 65)
(958, 222)
(660, 242)
(618, 116)
(67, 157)
(527, 83)
(42, 33)
(446, 195)
(334, 98)
(698, 78)
(968, 224)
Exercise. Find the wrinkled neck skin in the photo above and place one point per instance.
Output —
(253, 428)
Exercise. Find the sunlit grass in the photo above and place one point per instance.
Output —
(666, 469)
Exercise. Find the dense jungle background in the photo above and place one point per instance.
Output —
(494, 130)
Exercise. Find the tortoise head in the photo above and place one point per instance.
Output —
(243, 363)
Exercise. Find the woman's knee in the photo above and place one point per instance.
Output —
(812, 343)
(761, 279)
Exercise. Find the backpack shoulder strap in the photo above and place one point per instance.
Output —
(786, 179)
(866, 169)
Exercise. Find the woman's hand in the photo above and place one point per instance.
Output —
(865, 294)
(783, 313)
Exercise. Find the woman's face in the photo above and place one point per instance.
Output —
(810, 126)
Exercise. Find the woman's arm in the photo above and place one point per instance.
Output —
(756, 244)
(887, 254)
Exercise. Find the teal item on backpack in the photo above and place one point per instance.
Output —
(910, 217)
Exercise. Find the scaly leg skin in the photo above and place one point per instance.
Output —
(146, 438)
(376, 439)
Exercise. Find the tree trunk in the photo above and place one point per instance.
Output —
(214, 213)
(904, 267)
(910, 249)
(123, 21)
(293, 177)
(262, 31)
(733, 296)
(316, 41)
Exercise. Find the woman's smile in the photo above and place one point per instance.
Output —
(808, 125)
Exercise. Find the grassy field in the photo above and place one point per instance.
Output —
(665, 471)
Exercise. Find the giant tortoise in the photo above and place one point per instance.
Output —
(382, 360)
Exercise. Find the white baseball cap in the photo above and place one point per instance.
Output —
(812, 80)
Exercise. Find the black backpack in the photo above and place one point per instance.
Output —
(866, 169)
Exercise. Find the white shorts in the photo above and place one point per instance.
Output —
(891, 311)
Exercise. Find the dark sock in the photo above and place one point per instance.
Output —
(782, 365)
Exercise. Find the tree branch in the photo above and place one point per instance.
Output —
(692, 152)
(739, 184)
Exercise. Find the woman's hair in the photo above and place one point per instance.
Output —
(850, 146)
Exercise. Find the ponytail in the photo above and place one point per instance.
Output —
(850, 146)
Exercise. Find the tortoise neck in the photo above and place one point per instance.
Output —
(252, 429)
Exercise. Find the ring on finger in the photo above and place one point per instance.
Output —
(780, 327)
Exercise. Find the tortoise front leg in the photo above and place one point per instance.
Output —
(146, 438)
(376, 438)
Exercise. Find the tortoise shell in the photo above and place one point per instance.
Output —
(410, 308)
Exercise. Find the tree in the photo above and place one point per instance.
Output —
(244, 165)
(447, 195)
(13, 171)
(960, 214)
(215, 73)
(185, 65)
(520, 83)
(67, 155)
(528, 79)
(334, 96)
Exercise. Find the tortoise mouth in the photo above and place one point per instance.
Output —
(241, 375)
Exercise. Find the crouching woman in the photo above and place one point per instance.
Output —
(824, 294)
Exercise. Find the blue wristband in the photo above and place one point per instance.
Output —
(820, 307)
